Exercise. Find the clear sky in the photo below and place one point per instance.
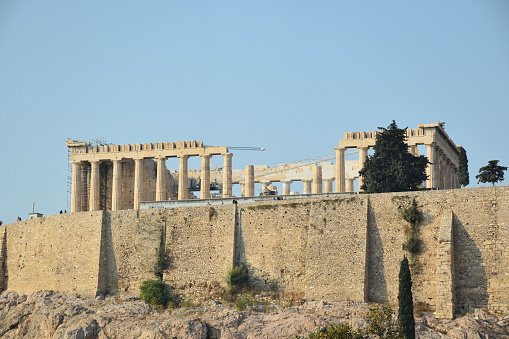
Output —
(289, 76)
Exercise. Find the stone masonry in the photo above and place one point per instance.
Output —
(344, 247)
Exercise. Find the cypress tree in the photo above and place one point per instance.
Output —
(406, 321)
(392, 168)
(463, 178)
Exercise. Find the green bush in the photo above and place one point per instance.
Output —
(413, 244)
(237, 277)
(341, 331)
(243, 301)
(153, 292)
(380, 324)
(411, 214)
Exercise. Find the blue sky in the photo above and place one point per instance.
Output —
(289, 76)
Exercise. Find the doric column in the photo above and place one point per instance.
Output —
(317, 179)
(161, 179)
(205, 177)
(349, 184)
(413, 150)
(363, 153)
(286, 187)
(94, 186)
(430, 170)
(328, 185)
(76, 187)
(115, 190)
(307, 186)
(138, 174)
(227, 175)
(340, 169)
(183, 175)
(249, 182)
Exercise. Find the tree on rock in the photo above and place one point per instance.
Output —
(463, 178)
(491, 173)
(392, 168)
(406, 321)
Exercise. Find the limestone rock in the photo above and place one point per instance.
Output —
(58, 316)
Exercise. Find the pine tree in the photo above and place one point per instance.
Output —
(463, 178)
(406, 321)
(491, 173)
(392, 168)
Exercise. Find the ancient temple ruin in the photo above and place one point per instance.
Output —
(116, 177)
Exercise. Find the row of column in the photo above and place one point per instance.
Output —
(183, 192)
(448, 173)
(316, 186)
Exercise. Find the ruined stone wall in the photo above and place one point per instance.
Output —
(480, 248)
(134, 240)
(315, 247)
(337, 248)
(199, 243)
(59, 252)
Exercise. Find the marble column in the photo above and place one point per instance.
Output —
(340, 169)
(363, 153)
(183, 175)
(430, 170)
(328, 185)
(227, 175)
(307, 186)
(349, 184)
(205, 177)
(76, 187)
(161, 179)
(317, 179)
(413, 150)
(94, 186)
(138, 175)
(286, 187)
(115, 190)
(249, 182)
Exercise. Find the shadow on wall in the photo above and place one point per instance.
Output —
(377, 286)
(108, 273)
(3, 263)
(470, 275)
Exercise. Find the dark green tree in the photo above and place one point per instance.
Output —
(406, 321)
(463, 178)
(491, 173)
(392, 168)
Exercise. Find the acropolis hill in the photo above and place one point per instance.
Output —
(331, 246)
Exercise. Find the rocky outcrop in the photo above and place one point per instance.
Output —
(55, 315)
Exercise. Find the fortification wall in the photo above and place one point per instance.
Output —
(135, 240)
(200, 247)
(59, 252)
(316, 247)
(337, 248)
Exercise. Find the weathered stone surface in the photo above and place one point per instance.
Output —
(53, 315)
(336, 248)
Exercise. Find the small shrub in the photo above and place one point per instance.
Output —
(188, 303)
(411, 214)
(343, 330)
(243, 301)
(212, 213)
(153, 292)
(237, 277)
(413, 244)
(380, 324)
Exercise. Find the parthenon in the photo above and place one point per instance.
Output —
(115, 177)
